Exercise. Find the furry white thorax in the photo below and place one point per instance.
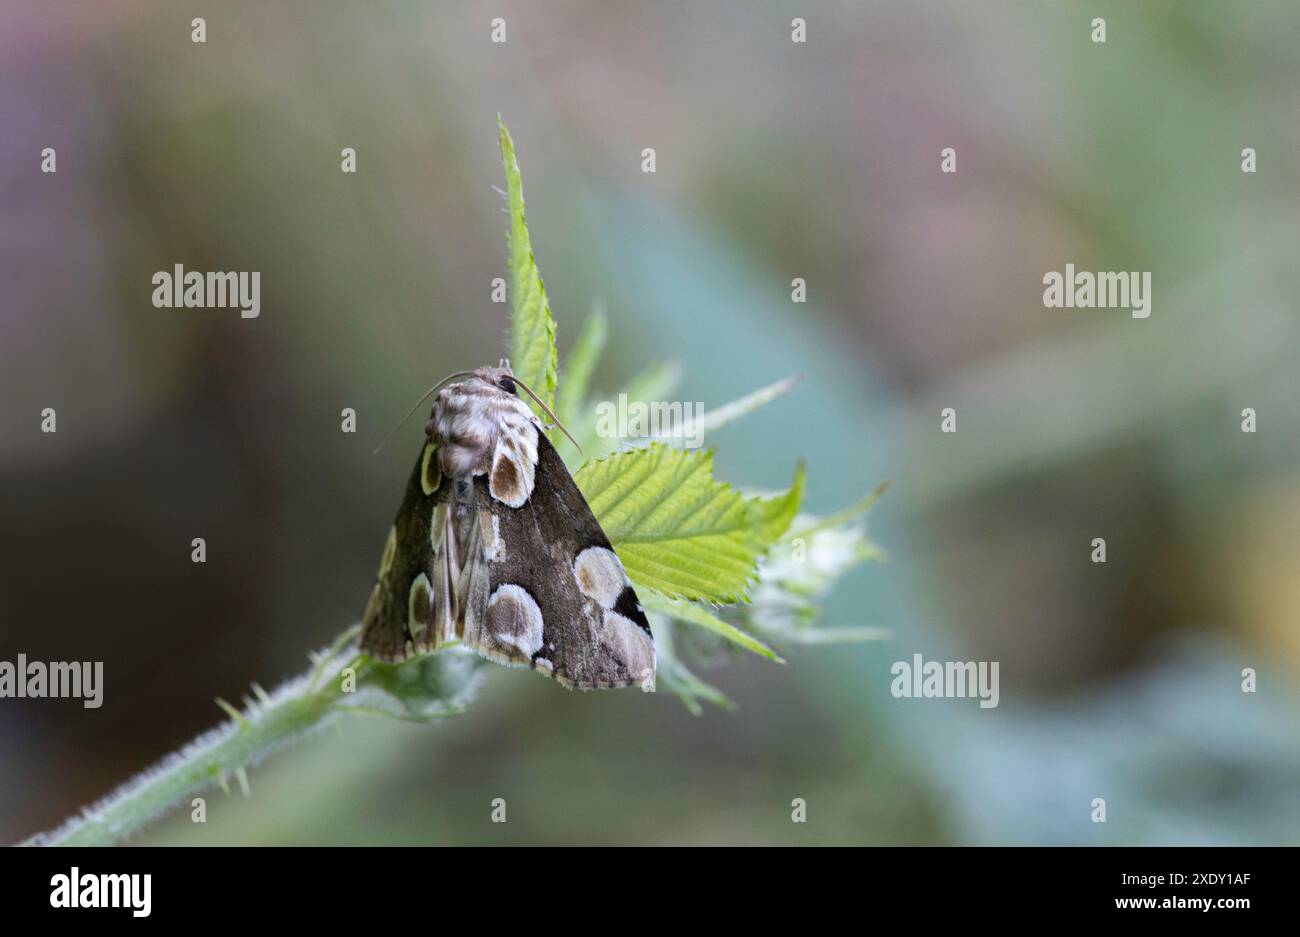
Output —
(474, 422)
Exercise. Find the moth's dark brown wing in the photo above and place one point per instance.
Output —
(397, 619)
(551, 593)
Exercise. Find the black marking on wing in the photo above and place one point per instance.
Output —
(629, 607)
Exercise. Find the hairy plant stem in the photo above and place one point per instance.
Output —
(423, 689)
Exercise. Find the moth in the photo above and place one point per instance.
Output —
(495, 547)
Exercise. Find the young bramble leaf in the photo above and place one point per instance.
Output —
(658, 383)
(679, 531)
(775, 514)
(532, 328)
(802, 566)
(690, 689)
(674, 677)
(847, 516)
(654, 383)
(580, 364)
(571, 393)
(729, 413)
(694, 614)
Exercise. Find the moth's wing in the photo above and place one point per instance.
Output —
(549, 592)
(398, 618)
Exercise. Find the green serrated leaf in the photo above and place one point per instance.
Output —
(679, 531)
(580, 365)
(697, 615)
(718, 417)
(845, 516)
(533, 357)
(776, 514)
(576, 380)
(654, 383)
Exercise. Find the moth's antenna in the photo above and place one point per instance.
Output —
(554, 419)
(426, 396)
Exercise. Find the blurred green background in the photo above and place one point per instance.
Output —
(775, 160)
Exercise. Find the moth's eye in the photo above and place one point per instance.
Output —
(507, 385)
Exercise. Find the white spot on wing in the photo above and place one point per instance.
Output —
(514, 623)
(514, 464)
(630, 641)
(600, 575)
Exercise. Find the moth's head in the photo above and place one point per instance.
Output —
(484, 383)
(500, 377)
(504, 380)
(481, 383)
